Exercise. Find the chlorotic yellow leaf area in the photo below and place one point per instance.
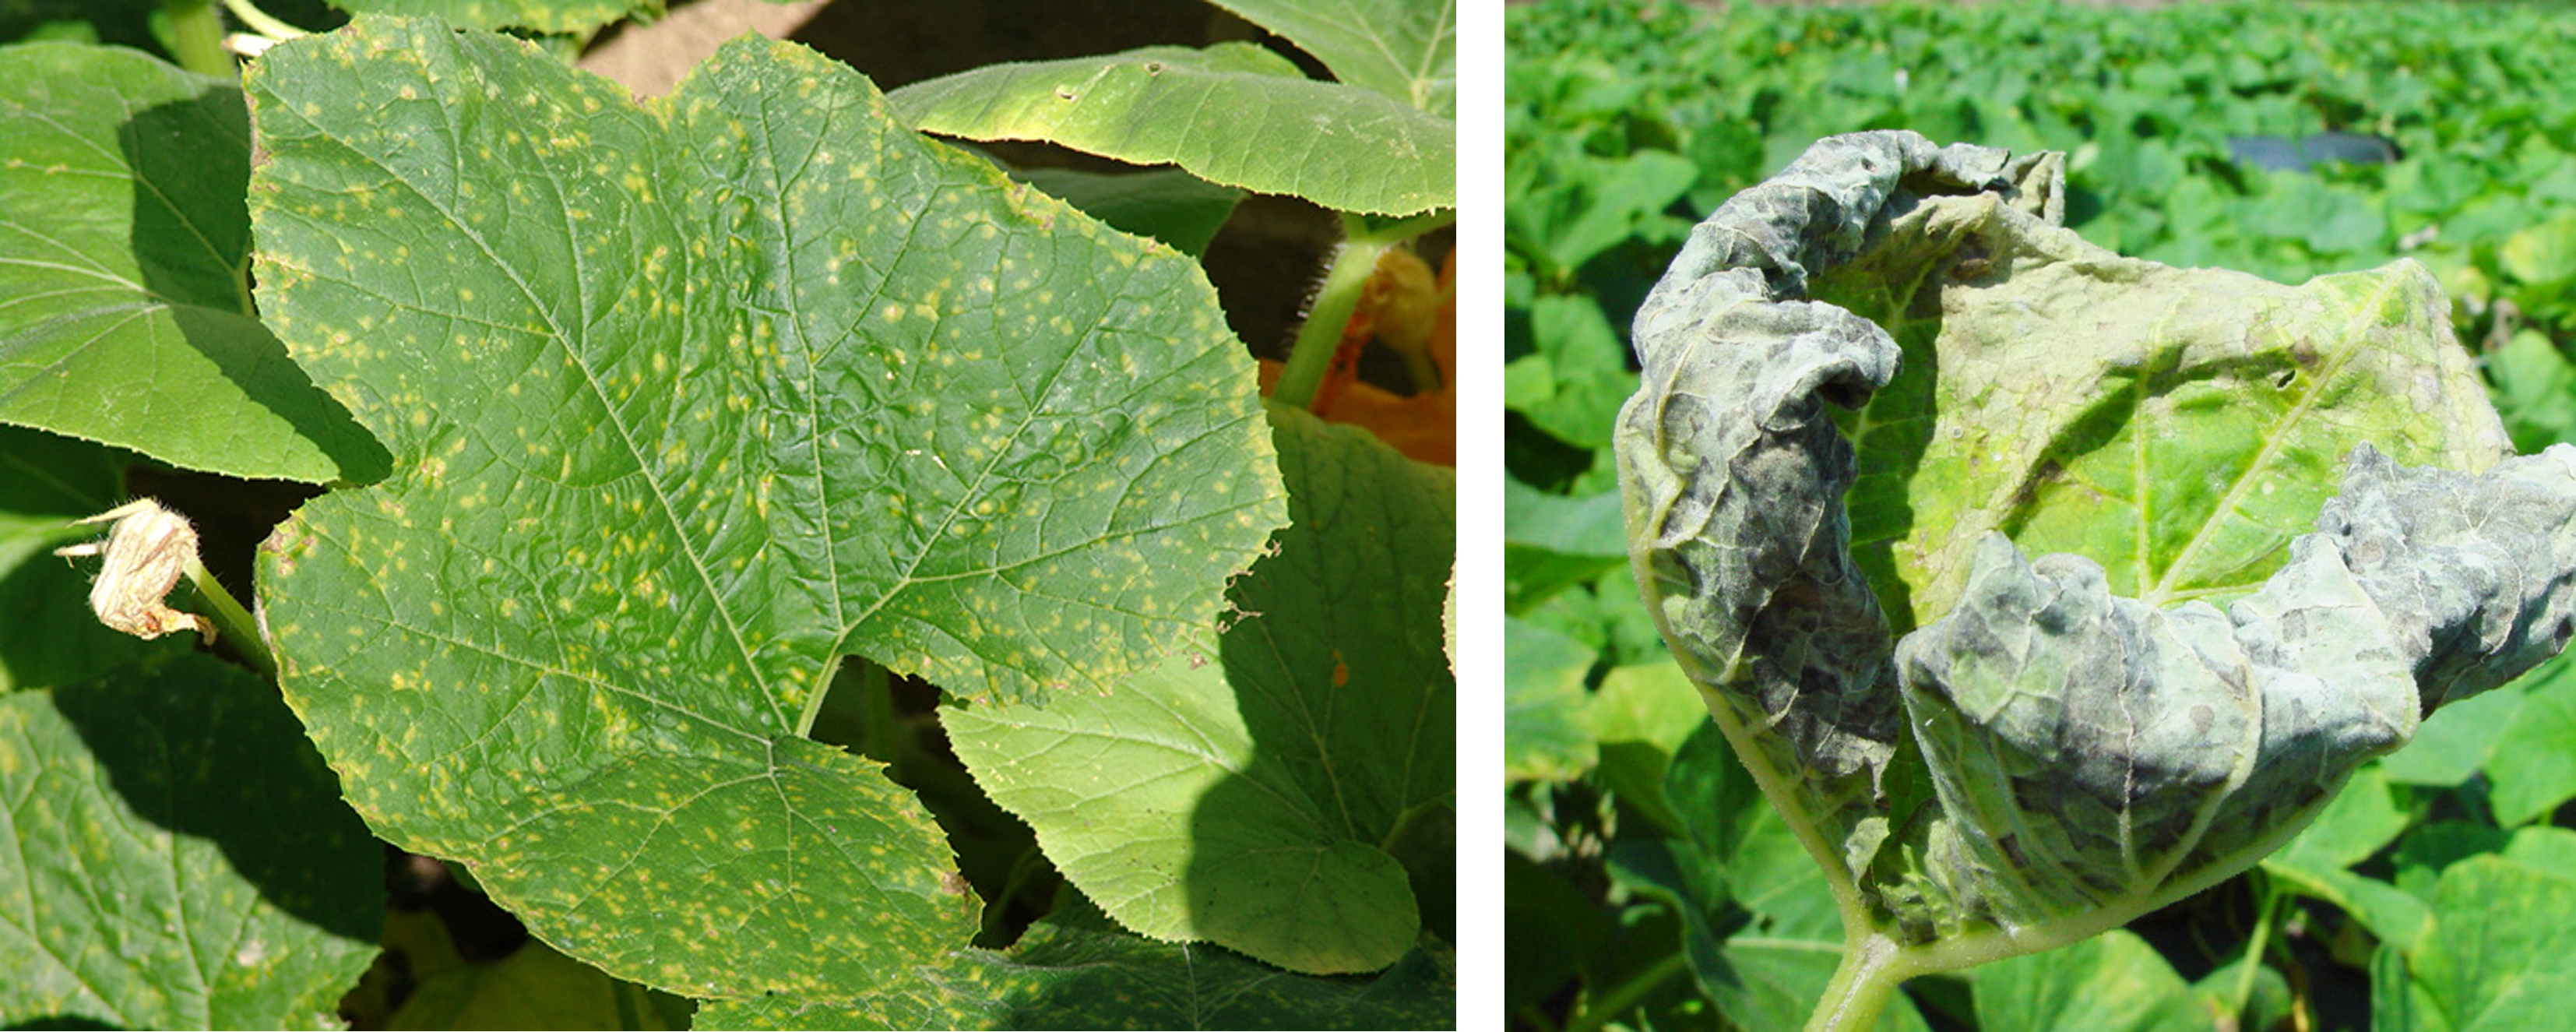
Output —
(687, 401)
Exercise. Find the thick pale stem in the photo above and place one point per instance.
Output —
(1344, 280)
(1873, 966)
(197, 35)
(262, 22)
(1334, 301)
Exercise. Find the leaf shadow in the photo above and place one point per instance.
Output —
(191, 240)
(1333, 845)
(206, 750)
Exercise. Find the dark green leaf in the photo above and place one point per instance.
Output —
(175, 856)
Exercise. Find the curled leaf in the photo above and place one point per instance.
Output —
(1878, 383)
(2087, 745)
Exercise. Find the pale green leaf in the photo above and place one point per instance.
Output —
(2452, 744)
(1232, 113)
(573, 16)
(2501, 954)
(1547, 720)
(1406, 49)
(2535, 768)
(2112, 983)
(2542, 254)
(1258, 791)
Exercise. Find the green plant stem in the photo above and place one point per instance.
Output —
(1426, 377)
(1344, 279)
(883, 734)
(2255, 946)
(232, 622)
(1617, 1001)
(1418, 364)
(262, 22)
(197, 35)
(1873, 966)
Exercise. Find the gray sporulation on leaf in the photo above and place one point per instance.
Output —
(2079, 756)
(2086, 745)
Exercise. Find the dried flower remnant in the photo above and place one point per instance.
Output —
(147, 551)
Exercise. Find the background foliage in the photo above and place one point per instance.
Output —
(1647, 883)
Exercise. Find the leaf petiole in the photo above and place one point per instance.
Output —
(1344, 279)
(261, 23)
(233, 623)
(197, 38)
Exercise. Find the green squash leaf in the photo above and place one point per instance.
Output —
(1405, 49)
(1547, 716)
(128, 320)
(2116, 983)
(688, 400)
(175, 855)
(1256, 792)
(1232, 113)
(1076, 970)
(573, 16)
(2196, 431)
(2501, 953)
